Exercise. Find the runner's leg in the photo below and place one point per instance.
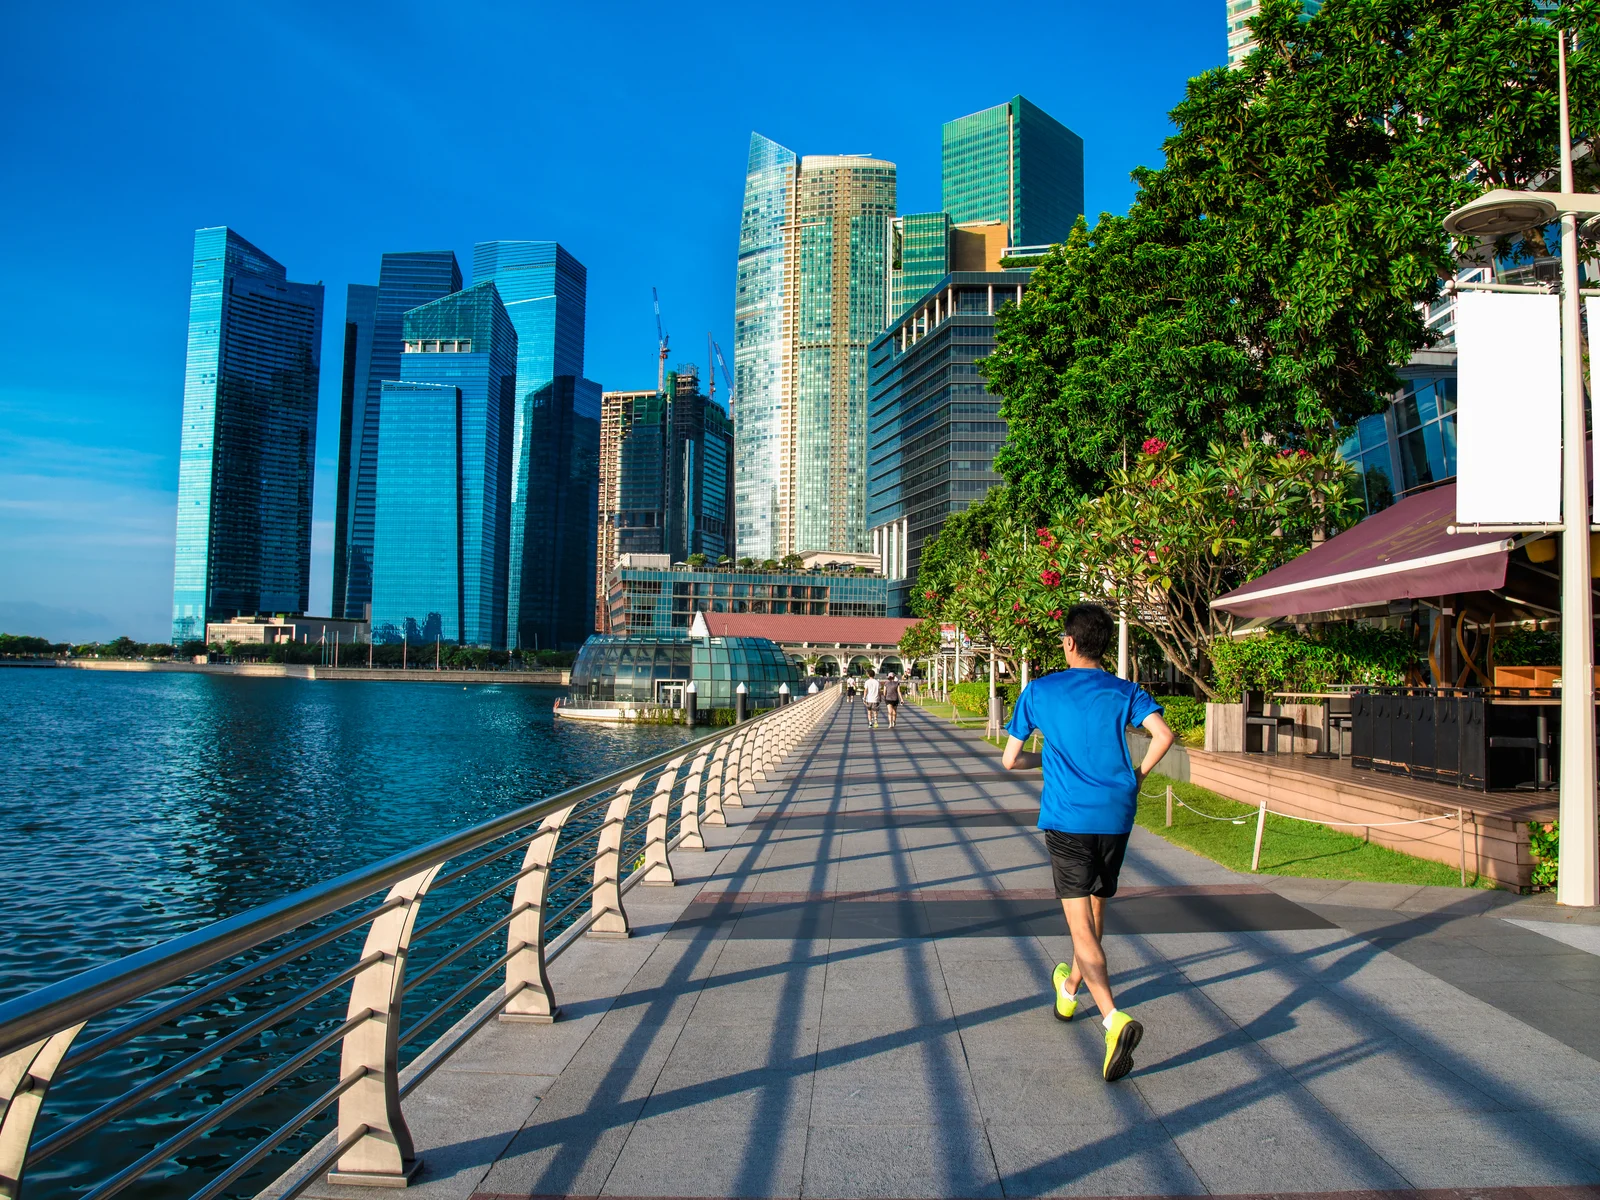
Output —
(1087, 955)
(1097, 911)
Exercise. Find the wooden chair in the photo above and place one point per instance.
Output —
(1257, 717)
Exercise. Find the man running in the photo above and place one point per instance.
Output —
(1087, 805)
(891, 697)
(870, 693)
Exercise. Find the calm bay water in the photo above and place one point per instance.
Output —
(135, 807)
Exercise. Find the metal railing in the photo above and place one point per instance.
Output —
(543, 876)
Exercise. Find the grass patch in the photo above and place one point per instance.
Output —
(1297, 848)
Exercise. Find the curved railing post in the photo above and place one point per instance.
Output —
(528, 993)
(657, 863)
(733, 781)
(689, 806)
(747, 771)
(370, 1111)
(610, 918)
(718, 772)
(25, 1077)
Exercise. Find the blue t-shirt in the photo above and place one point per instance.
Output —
(1083, 714)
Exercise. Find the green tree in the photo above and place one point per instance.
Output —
(946, 555)
(1266, 279)
(1169, 536)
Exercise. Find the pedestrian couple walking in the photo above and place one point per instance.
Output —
(1087, 805)
(884, 691)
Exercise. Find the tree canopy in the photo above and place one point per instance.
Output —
(1266, 279)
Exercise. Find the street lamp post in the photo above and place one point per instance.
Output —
(1499, 212)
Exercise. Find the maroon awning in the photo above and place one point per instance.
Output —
(1401, 553)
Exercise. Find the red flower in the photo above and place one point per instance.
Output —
(1055, 614)
(930, 595)
(1050, 578)
(1016, 606)
(983, 554)
(1153, 446)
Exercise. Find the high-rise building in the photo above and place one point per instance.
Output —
(1240, 14)
(811, 294)
(545, 291)
(248, 441)
(1018, 164)
(373, 334)
(556, 605)
(934, 427)
(442, 535)
(925, 247)
(666, 476)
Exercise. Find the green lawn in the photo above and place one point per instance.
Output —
(1298, 848)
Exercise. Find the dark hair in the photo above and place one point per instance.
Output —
(1089, 626)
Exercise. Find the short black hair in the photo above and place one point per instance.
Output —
(1089, 626)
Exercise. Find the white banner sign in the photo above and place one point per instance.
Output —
(1508, 417)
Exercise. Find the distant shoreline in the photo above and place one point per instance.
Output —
(298, 671)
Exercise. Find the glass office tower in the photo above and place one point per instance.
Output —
(1018, 164)
(248, 442)
(934, 427)
(372, 355)
(442, 534)
(810, 297)
(666, 476)
(556, 610)
(545, 291)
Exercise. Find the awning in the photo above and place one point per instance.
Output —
(1401, 553)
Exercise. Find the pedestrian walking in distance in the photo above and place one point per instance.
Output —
(850, 690)
(1086, 809)
(870, 695)
(891, 697)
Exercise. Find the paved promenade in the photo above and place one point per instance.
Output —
(848, 995)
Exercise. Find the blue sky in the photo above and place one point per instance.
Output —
(327, 134)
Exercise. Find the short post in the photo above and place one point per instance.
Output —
(1261, 824)
(1169, 806)
(1461, 840)
(741, 704)
(812, 690)
(691, 703)
(783, 694)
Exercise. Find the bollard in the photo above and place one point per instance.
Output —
(741, 704)
(783, 694)
(691, 704)
(1261, 824)
(812, 690)
(1169, 806)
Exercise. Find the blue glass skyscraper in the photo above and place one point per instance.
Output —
(441, 536)
(373, 335)
(248, 439)
(555, 453)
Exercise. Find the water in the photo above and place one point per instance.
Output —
(136, 807)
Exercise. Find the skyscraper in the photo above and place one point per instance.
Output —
(810, 296)
(442, 531)
(544, 289)
(925, 247)
(248, 441)
(666, 475)
(373, 336)
(1018, 164)
(1240, 13)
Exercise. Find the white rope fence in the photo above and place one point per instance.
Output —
(1173, 801)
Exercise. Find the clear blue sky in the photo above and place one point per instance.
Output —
(329, 133)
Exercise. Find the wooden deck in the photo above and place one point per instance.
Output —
(1492, 840)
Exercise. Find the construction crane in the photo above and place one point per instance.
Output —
(661, 337)
(716, 352)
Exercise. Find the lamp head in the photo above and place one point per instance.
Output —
(1500, 212)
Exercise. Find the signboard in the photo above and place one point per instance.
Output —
(1508, 416)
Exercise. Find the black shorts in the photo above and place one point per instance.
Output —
(1085, 864)
(892, 703)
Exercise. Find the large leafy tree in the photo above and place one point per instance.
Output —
(1266, 279)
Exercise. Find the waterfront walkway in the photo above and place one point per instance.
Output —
(847, 995)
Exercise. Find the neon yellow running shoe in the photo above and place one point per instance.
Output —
(1121, 1039)
(1066, 1002)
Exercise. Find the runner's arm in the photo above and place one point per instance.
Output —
(1017, 759)
(1160, 742)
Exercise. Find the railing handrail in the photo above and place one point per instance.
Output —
(58, 1006)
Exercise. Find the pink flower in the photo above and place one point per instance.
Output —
(1050, 578)
(1055, 614)
(1153, 445)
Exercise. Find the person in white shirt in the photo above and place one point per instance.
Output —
(870, 696)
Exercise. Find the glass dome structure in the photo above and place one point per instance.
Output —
(634, 668)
